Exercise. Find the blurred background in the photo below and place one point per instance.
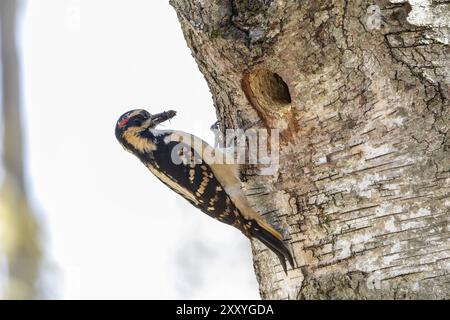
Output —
(80, 218)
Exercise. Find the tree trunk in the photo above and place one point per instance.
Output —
(361, 92)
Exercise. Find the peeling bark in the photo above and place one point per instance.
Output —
(363, 189)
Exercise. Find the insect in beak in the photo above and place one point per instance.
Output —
(163, 116)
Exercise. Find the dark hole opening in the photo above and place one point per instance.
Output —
(267, 89)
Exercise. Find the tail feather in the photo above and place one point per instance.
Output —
(274, 244)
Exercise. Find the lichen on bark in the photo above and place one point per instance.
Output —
(363, 187)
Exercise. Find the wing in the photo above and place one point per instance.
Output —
(200, 175)
(212, 187)
(182, 169)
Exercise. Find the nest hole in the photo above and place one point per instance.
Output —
(266, 90)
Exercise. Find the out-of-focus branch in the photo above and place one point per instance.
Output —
(18, 226)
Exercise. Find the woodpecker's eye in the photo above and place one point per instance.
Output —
(136, 122)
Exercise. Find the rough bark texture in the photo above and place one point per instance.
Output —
(363, 189)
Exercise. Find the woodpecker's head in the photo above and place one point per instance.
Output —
(132, 123)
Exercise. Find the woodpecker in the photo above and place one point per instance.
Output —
(192, 168)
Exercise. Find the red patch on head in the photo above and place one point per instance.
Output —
(123, 122)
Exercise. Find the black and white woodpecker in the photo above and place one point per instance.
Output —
(181, 162)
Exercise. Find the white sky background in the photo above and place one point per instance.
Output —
(113, 230)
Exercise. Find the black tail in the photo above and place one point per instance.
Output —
(275, 245)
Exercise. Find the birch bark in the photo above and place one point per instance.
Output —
(361, 92)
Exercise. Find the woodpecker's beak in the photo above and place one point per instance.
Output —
(163, 116)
